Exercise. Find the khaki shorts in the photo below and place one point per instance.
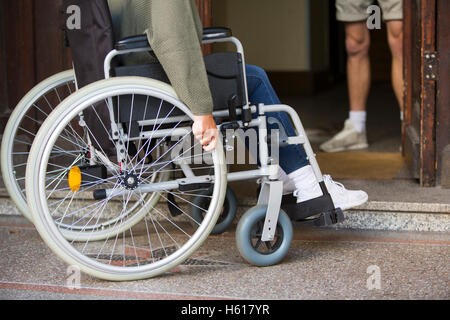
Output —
(356, 10)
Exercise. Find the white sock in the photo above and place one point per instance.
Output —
(282, 176)
(358, 118)
(288, 184)
(306, 184)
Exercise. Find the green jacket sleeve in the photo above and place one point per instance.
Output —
(174, 35)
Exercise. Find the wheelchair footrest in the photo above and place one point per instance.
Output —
(315, 212)
(322, 220)
(298, 211)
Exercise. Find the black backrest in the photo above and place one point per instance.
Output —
(225, 75)
(226, 79)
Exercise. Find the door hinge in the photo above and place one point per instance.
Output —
(431, 65)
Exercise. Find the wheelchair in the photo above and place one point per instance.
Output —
(144, 206)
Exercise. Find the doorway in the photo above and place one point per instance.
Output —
(315, 85)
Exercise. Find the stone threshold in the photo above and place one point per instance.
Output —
(373, 215)
(412, 207)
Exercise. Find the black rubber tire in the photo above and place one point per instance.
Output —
(250, 227)
(226, 217)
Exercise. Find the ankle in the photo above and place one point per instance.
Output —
(306, 184)
(282, 175)
(358, 118)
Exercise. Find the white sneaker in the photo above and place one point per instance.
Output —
(348, 139)
(342, 198)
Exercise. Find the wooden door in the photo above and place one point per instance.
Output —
(443, 85)
(31, 47)
(426, 126)
(204, 9)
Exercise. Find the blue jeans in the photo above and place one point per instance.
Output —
(292, 157)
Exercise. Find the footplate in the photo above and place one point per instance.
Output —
(317, 212)
(322, 220)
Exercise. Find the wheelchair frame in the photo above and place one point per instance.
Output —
(273, 207)
(271, 190)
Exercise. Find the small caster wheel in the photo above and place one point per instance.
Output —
(248, 237)
(226, 216)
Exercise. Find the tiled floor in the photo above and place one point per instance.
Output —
(321, 264)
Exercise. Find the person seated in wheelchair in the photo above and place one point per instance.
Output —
(174, 32)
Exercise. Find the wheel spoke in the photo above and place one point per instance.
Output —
(108, 220)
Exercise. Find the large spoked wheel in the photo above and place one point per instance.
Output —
(22, 126)
(249, 234)
(78, 203)
(227, 215)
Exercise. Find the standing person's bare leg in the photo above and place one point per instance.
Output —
(395, 40)
(353, 136)
(357, 43)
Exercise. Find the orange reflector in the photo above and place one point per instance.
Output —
(74, 179)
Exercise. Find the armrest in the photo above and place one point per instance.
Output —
(214, 33)
(141, 41)
(133, 42)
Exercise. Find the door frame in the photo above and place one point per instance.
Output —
(426, 65)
